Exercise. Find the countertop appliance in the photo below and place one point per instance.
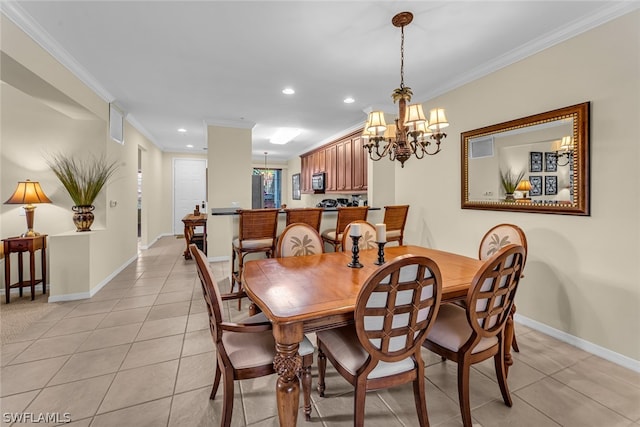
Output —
(317, 181)
(327, 203)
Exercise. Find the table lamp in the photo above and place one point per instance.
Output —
(524, 186)
(27, 193)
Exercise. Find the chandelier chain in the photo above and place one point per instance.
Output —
(402, 57)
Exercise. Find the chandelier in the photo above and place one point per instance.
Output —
(412, 133)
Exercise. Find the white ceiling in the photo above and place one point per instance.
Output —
(182, 64)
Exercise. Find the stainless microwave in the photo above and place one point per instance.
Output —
(317, 181)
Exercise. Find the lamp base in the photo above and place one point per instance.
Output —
(30, 233)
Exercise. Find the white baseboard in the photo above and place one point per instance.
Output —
(153, 242)
(605, 353)
(92, 292)
(219, 258)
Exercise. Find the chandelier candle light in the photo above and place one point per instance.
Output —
(411, 132)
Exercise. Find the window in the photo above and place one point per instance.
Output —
(271, 187)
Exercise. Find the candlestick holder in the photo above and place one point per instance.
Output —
(355, 254)
(380, 260)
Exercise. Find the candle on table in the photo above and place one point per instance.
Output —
(355, 230)
(381, 233)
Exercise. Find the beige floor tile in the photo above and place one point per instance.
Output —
(178, 285)
(15, 405)
(196, 372)
(612, 392)
(80, 423)
(139, 385)
(45, 348)
(33, 332)
(568, 407)
(91, 364)
(58, 312)
(72, 325)
(481, 389)
(135, 302)
(125, 317)
(194, 409)
(11, 350)
(198, 305)
(197, 342)
(153, 351)
(521, 414)
(80, 399)
(109, 293)
(139, 291)
(520, 374)
(150, 414)
(162, 328)
(89, 308)
(198, 321)
(170, 297)
(169, 310)
(338, 411)
(29, 376)
(547, 354)
(108, 337)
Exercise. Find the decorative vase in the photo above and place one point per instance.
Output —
(509, 197)
(83, 217)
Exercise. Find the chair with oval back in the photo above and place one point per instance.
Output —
(367, 237)
(476, 333)
(496, 238)
(299, 239)
(394, 311)
(244, 349)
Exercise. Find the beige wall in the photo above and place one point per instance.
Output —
(582, 273)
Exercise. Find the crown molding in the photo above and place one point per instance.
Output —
(26, 23)
(140, 128)
(607, 13)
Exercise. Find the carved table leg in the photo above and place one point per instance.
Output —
(287, 364)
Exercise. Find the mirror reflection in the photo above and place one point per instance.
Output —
(534, 164)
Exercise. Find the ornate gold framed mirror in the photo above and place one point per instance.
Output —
(538, 163)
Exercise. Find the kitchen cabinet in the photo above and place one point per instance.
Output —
(344, 162)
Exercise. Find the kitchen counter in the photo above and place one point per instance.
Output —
(234, 211)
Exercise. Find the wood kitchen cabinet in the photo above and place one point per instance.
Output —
(344, 162)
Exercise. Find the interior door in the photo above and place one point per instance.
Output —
(189, 188)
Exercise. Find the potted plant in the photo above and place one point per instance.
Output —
(83, 180)
(509, 181)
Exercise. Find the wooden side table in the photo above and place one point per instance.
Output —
(20, 245)
(192, 221)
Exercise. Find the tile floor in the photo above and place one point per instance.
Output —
(139, 353)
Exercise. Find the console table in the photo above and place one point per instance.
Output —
(20, 245)
(190, 222)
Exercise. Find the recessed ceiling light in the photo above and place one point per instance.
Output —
(189, 146)
(182, 130)
(288, 91)
(284, 135)
(349, 100)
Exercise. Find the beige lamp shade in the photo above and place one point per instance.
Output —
(414, 115)
(524, 185)
(424, 128)
(27, 193)
(566, 144)
(390, 132)
(437, 119)
(376, 121)
(366, 133)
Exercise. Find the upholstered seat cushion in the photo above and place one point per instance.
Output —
(393, 233)
(331, 235)
(345, 347)
(451, 330)
(253, 244)
(247, 350)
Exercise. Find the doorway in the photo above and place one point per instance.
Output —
(189, 189)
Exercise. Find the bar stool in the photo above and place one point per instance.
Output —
(257, 233)
(310, 216)
(395, 217)
(345, 216)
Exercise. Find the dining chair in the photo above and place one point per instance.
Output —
(245, 349)
(395, 218)
(299, 239)
(476, 332)
(256, 233)
(346, 215)
(367, 236)
(311, 216)
(494, 239)
(394, 311)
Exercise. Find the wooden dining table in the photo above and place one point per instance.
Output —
(316, 292)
